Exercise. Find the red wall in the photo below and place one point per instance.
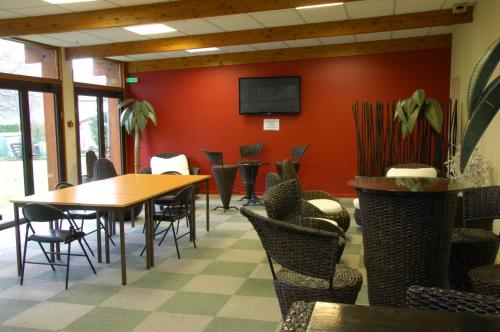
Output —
(199, 107)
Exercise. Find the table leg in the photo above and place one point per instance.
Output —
(121, 214)
(147, 212)
(151, 233)
(18, 239)
(207, 207)
(99, 247)
(106, 234)
(192, 222)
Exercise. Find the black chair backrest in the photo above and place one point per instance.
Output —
(90, 159)
(184, 195)
(214, 157)
(283, 201)
(42, 213)
(482, 203)
(289, 172)
(305, 250)
(253, 150)
(62, 185)
(171, 173)
(298, 151)
(103, 169)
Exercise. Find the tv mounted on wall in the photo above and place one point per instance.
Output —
(269, 95)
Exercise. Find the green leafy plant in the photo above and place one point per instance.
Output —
(483, 101)
(134, 118)
(409, 110)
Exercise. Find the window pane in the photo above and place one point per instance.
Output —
(112, 131)
(89, 130)
(26, 59)
(96, 71)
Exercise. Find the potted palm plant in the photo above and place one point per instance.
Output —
(134, 118)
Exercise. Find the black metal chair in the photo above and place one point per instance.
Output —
(339, 214)
(40, 213)
(179, 209)
(295, 157)
(309, 259)
(433, 298)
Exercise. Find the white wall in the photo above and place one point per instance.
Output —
(469, 43)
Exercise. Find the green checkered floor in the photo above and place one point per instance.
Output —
(223, 285)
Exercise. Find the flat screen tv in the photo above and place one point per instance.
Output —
(269, 95)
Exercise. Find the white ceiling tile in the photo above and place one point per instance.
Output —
(373, 36)
(86, 6)
(148, 56)
(302, 42)
(451, 3)
(323, 14)
(337, 40)
(237, 48)
(369, 8)
(234, 22)
(133, 2)
(441, 30)
(40, 11)
(408, 33)
(4, 14)
(274, 18)
(165, 35)
(177, 54)
(193, 27)
(78, 38)
(412, 6)
(48, 40)
(269, 46)
(14, 4)
(115, 34)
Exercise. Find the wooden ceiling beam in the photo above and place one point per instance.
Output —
(143, 14)
(289, 54)
(316, 30)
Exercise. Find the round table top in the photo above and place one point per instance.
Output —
(408, 184)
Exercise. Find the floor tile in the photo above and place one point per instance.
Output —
(219, 324)
(352, 249)
(49, 316)
(159, 321)
(35, 290)
(108, 319)
(195, 303)
(262, 271)
(8, 282)
(234, 269)
(76, 273)
(10, 308)
(242, 255)
(251, 235)
(85, 294)
(201, 253)
(257, 287)
(113, 276)
(184, 265)
(247, 244)
(215, 242)
(214, 284)
(138, 298)
(162, 280)
(233, 234)
(235, 226)
(251, 307)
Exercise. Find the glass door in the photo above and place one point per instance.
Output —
(30, 152)
(99, 129)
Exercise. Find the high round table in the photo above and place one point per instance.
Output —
(407, 225)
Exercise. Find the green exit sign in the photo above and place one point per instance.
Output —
(131, 80)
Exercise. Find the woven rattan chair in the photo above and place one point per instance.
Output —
(341, 217)
(474, 244)
(253, 150)
(214, 157)
(486, 280)
(309, 259)
(298, 317)
(432, 298)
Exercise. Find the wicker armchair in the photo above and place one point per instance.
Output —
(295, 157)
(253, 150)
(342, 217)
(309, 259)
(481, 206)
(432, 298)
(298, 317)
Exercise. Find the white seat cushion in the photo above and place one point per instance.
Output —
(355, 202)
(178, 164)
(328, 220)
(426, 172)
(327, 205)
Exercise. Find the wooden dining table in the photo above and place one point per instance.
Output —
(114, 196)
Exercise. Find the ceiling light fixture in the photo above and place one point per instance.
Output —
(321, 5)
(60, 2)
(150, 29)
(205, 49)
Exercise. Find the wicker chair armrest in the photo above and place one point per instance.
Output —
(194, 170)
(317, 194)
(324, 225)
(432, 298)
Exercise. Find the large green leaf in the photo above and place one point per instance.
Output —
(412, 119)
(125, 104)
(481, 74)
(434, 114)
(418, 97)
(486, 108)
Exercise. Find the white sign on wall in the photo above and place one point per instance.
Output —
(272, 124)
